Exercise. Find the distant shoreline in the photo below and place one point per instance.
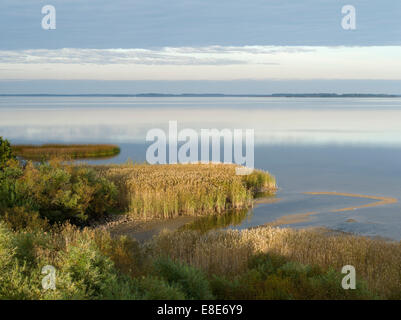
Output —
(214, 95)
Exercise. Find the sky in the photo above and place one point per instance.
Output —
(199, 46)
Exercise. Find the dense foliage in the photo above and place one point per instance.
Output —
(5, 152)
(56, 192)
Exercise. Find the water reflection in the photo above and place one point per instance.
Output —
(275, 120)
(230, 219)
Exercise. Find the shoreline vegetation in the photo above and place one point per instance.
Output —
(169, 191)
(65, 151)
(46, 215)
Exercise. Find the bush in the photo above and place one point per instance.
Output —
(58, 193)
(82, 270)
(19, 218)
(125, 252)
(5, 153)
(193, 282)
(10, 278)
(153, 288)
(83, 264)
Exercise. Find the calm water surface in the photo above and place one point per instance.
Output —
(341, 145)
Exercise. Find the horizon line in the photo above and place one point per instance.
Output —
(213, 95)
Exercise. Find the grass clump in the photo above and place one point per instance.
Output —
(70, 151)
(167, 191)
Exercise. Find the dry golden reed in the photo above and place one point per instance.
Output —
(167, 191)
(378, 262)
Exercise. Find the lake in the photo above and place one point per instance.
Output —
(322, 145)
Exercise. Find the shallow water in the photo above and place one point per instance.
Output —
(341, 145)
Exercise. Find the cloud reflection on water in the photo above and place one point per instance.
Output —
(275, 122)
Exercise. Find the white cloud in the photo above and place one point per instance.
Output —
(204, 63)
(214, 55)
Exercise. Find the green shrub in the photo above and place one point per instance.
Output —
(58, 193)
(153, 288)
(82, 271)
(5, 152)
(87, 268)
(223, 287)
(192, 281)
(9, 195)
(16, 278)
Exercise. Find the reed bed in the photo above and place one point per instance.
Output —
(377, 262)
(167, 191)
(69, 151)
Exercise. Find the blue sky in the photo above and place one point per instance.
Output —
(158, 23)
(212, 42)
